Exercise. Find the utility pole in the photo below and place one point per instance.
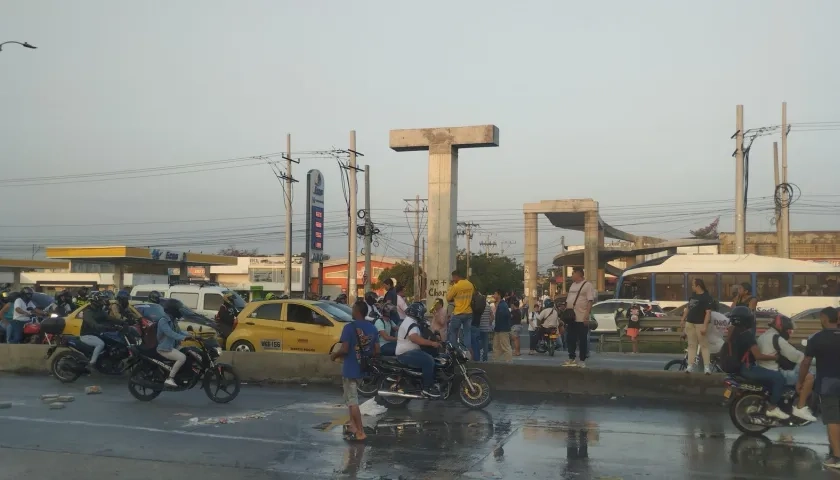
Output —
(287, 271)
(352, 267)
(505, 243)
(416, 211)
(563, 267)
(785, 214)
(467, 232)
(778, 211)
(740, 217)
(368, 232)
(423, 257)
(487, 244)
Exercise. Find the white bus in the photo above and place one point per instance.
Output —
(785, 285)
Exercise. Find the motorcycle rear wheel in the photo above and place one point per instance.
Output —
(144, 394)
(390, 402)
(66, 366)
(368, 386)
(738, 414)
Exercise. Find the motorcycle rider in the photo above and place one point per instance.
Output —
(371, 299)
(64, 302)
(169, 336)
(226, 316)
(95, 321)
(744, 346)
(82, 296)
(270, 296)
(342, 299)
(23, 309)
(547, 319)
(409, 342)
(788, 362)
(154, 297)
(120, 310)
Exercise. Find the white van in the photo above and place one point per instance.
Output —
(204, 299)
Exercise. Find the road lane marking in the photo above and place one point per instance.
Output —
(149, 430)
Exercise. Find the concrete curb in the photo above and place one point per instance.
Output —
(285, 368)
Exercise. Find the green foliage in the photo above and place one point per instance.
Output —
(404, 273)
(492, 272)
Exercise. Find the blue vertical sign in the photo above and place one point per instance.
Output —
(314, 223)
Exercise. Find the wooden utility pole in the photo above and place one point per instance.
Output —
(417, 210)
(368, 228)
(468, 234)
(785, 213)
(487, 244)
(740, 218)
(777, 211)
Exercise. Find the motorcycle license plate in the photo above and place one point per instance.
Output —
(552, 337)
(727, 393)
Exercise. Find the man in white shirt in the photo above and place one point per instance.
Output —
(24, 309)
(779, 331)
(409, 341)
(580, 298)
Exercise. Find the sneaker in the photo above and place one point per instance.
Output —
(777, 413)
(804, 413)
(581, 364)
(832, 462)
(570, 363)
(170, 383)
(690, 369)
(432, 391)
(707, 370)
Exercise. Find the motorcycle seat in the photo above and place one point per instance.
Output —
(79, 345)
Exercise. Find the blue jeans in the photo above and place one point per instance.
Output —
(14, 331)
(423, 361)
(456, 323)
(388, 349)
(773, 380)
(475, 340)
(485, 344)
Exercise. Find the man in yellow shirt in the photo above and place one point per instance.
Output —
(461, 294)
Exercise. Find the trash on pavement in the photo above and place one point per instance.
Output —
(195, 421)
(93, 390)
(371, 409)
(5, 405)
(65, 398)
(56, 406)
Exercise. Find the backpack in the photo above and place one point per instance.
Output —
(784, 362)
(478, 304)
(730, 361)
(426, 333)
(149, 339)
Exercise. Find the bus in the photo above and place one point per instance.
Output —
(784, 285)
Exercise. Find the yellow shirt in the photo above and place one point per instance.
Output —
(461, 294)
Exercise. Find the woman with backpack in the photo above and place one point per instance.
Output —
(169, 336)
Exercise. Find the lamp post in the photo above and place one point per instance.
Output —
(24, 44)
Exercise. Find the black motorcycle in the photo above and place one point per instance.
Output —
(70, 364)
(401, 383)
(149, 370)
(748, 401)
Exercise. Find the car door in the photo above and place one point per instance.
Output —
(304, 332)
(604, 314)
(262, 328)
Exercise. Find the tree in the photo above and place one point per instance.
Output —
(493, 272)
(232, 251)
(709, 232)
(404, 273)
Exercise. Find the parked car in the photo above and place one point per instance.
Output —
(289, 325)
(604, 312)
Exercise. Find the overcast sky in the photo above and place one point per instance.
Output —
(629, 103)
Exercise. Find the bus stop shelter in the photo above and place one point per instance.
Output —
(16, 266)
(122, 256)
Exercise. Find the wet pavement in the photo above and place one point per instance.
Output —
(296, 433)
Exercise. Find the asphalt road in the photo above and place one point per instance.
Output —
(295, 433)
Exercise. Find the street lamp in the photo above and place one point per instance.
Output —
(24, 44)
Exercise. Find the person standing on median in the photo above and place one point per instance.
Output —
(695, 323)
(479, 304)
(501, 330)
(579, 302)
(461, 294)
(358, 343)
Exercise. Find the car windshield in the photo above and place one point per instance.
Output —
(339, 312)
(238, 302)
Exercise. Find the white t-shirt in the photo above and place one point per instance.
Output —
(716, 332)
(401, 307)
(19, 303)
(405, 344)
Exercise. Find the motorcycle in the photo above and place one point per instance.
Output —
(548, 341)
(748, 402)
(401, 383)
(70, 364)
(148, 370)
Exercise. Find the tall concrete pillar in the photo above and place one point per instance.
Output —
(443, 145)
(531, 248)
(119, 276)
(591, 244)
(16, 280)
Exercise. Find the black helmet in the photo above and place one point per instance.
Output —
(63, 296)
(154, 297)
(83, 293)
(26, 293)
(783, 324)
(341, 298)
(416, 310)
(96, 299)
(742, 317)
(172, 308)
(123, 297)
(371, 298)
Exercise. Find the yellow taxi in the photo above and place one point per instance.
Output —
(289, 326)
(73, 320)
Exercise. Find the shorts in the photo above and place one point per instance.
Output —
(351, 391)
(632, 332)
(516, 329)
(830, 406)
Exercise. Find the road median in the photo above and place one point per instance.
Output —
(280, 368)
